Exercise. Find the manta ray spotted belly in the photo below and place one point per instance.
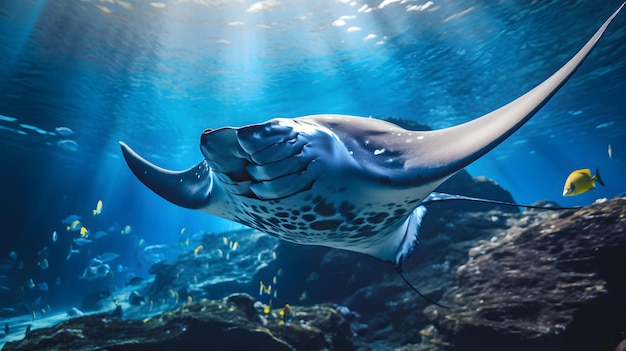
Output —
(352, 183)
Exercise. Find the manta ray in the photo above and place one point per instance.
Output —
(347, 182)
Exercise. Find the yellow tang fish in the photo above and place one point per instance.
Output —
(197, 249)
(580, 181)
(98, 209)
(74, 226)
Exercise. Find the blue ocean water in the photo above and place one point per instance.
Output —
(155, 74)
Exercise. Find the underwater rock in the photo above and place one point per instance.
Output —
(205, 325)
(219, 269)
(555, 285)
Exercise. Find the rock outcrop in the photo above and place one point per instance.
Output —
(556, 285)
(228, 324)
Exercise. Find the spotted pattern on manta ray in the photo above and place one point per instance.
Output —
(344, 221)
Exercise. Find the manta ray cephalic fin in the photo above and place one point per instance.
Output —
(190, 188)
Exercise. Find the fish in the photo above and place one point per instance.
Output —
(70, 219)
(64, 131)
(610, 151)
(98, 209)
(127, 230)
(197, 249)
(75, 225)
(84, 231)
(54, 236)
(581, 181)
(68, 145)
(354, 183)
(82, 241)
(43, 264)
(43, 286)
(107, 257)
(96, 269)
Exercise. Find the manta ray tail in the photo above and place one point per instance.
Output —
(436, 197)
(415, 289)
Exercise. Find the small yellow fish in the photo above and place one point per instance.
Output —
(141, 242)
(98, 209)
(127, 229)
(84, 232)
(183, 230)
(189, 299)
(581, 181)
(74, 226)
(225, 240)
(197, 249)
(188, 242)
(267, 308)
(610, 150)
(302, 296)
(235, 245)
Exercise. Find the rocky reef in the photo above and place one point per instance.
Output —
(538, 280)
(509, 279)
(233, 323)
